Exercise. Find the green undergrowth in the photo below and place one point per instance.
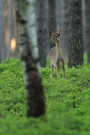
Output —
(67, 102)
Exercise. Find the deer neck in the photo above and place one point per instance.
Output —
(58, 49)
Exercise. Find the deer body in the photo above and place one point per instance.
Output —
(57, 55)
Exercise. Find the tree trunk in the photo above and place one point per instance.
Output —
(63, 23)
(10, 24)
(30, 58)
(6, 28)
(12, 28)
(52, 18)
(42, 30)
(76, 41)
(87, 30)
(84, 25)
(2, 32)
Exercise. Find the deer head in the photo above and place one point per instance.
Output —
(54, 36)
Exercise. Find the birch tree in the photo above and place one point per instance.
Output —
(30, 58)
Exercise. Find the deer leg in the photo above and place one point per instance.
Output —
(51, 71)
(63, 67)
(58, 72)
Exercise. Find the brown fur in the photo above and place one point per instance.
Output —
(57, 55)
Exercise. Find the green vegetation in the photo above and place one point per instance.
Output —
(67, 102)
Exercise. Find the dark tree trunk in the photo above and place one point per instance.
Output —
(76, 41)
(63, 22)
(12, 28)
(16, 54)
(2, 32)
(87, 30)
(52, 17)
(6, 28)
(42, 30)
(30, 58)
(84, 25)
(10, 24)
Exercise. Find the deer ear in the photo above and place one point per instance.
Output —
(59, 32)
(51, 33)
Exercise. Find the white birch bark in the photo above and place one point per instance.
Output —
(29, 55)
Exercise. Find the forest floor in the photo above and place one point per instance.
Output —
(67, 102)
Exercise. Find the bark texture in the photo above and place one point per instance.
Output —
(42, 30)
(52, 18)
(63, 22)
(76, 41)
(87, 30)
(2, 32)
(30, 59)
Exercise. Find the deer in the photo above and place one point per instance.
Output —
(57, 55)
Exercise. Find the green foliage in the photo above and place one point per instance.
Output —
(67, 102)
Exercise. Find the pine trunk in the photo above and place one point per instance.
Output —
(87, 30)
(52, 17)
(42, 30)
(63, 23)
(76, 41)
(2, 32)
